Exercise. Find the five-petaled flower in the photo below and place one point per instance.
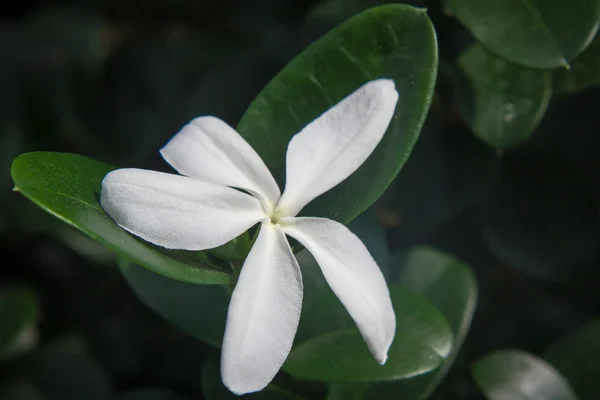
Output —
(202, 208)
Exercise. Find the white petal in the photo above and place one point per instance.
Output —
(333, 146)
(263, 314)
(210, 150)
(353, 276)
(175, 211)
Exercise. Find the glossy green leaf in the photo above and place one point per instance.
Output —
(68, 187)
(149, 394)
(502, 102)
(446, 282)
(584, 72)
(423, 340)
(516, 375)
(199, 310)
(18, 312)
(534, 33)
(213, 388)
(394, 41)
(577, 357)
(451, 287)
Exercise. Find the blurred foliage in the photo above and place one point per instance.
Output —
(511, 192)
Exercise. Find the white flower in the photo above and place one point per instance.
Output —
(200, 209)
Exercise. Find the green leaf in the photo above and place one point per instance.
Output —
(448, 172)
(322, 312)
(213, 388)
(577, 357)
(533, 33)
(234, 250)
(394, 41)
(347, 392)
(341, 10)
(423, 340)
(149, 394)
(584, 72)
(68, 187)
(200, 310)
(502, 102)
(516, 375)
(18, 312)
(64, 371)
(446, 282)
(543, 218)
(451, 287)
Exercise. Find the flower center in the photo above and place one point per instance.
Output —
(275, 216)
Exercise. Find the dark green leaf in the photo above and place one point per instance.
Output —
(446, 282)
(347, 392)
(341, 10)
(584, 72)
(68, 187)
(543, 220)
(533, 33)
(451, 287)
(18, 312)
(577, 357)
(322, 312)
(423, 340)
(503, 103)
(19, 390)
(213, 388)
(516, 375)
(371, 233)
(199, 310)
(62, 371)
(234, 250)
(393, 41)
(449, 170)
(149, 394)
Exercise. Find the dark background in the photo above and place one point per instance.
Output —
(114, 80)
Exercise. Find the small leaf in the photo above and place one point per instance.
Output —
(503, 103)
(584, 72)
(422, 341)
(18, 313)
(577, 357)
(68, 187)
(535, 34)
(200, 310)
(516, 375)
(393, 41)
(213, 388)
(451, 287)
